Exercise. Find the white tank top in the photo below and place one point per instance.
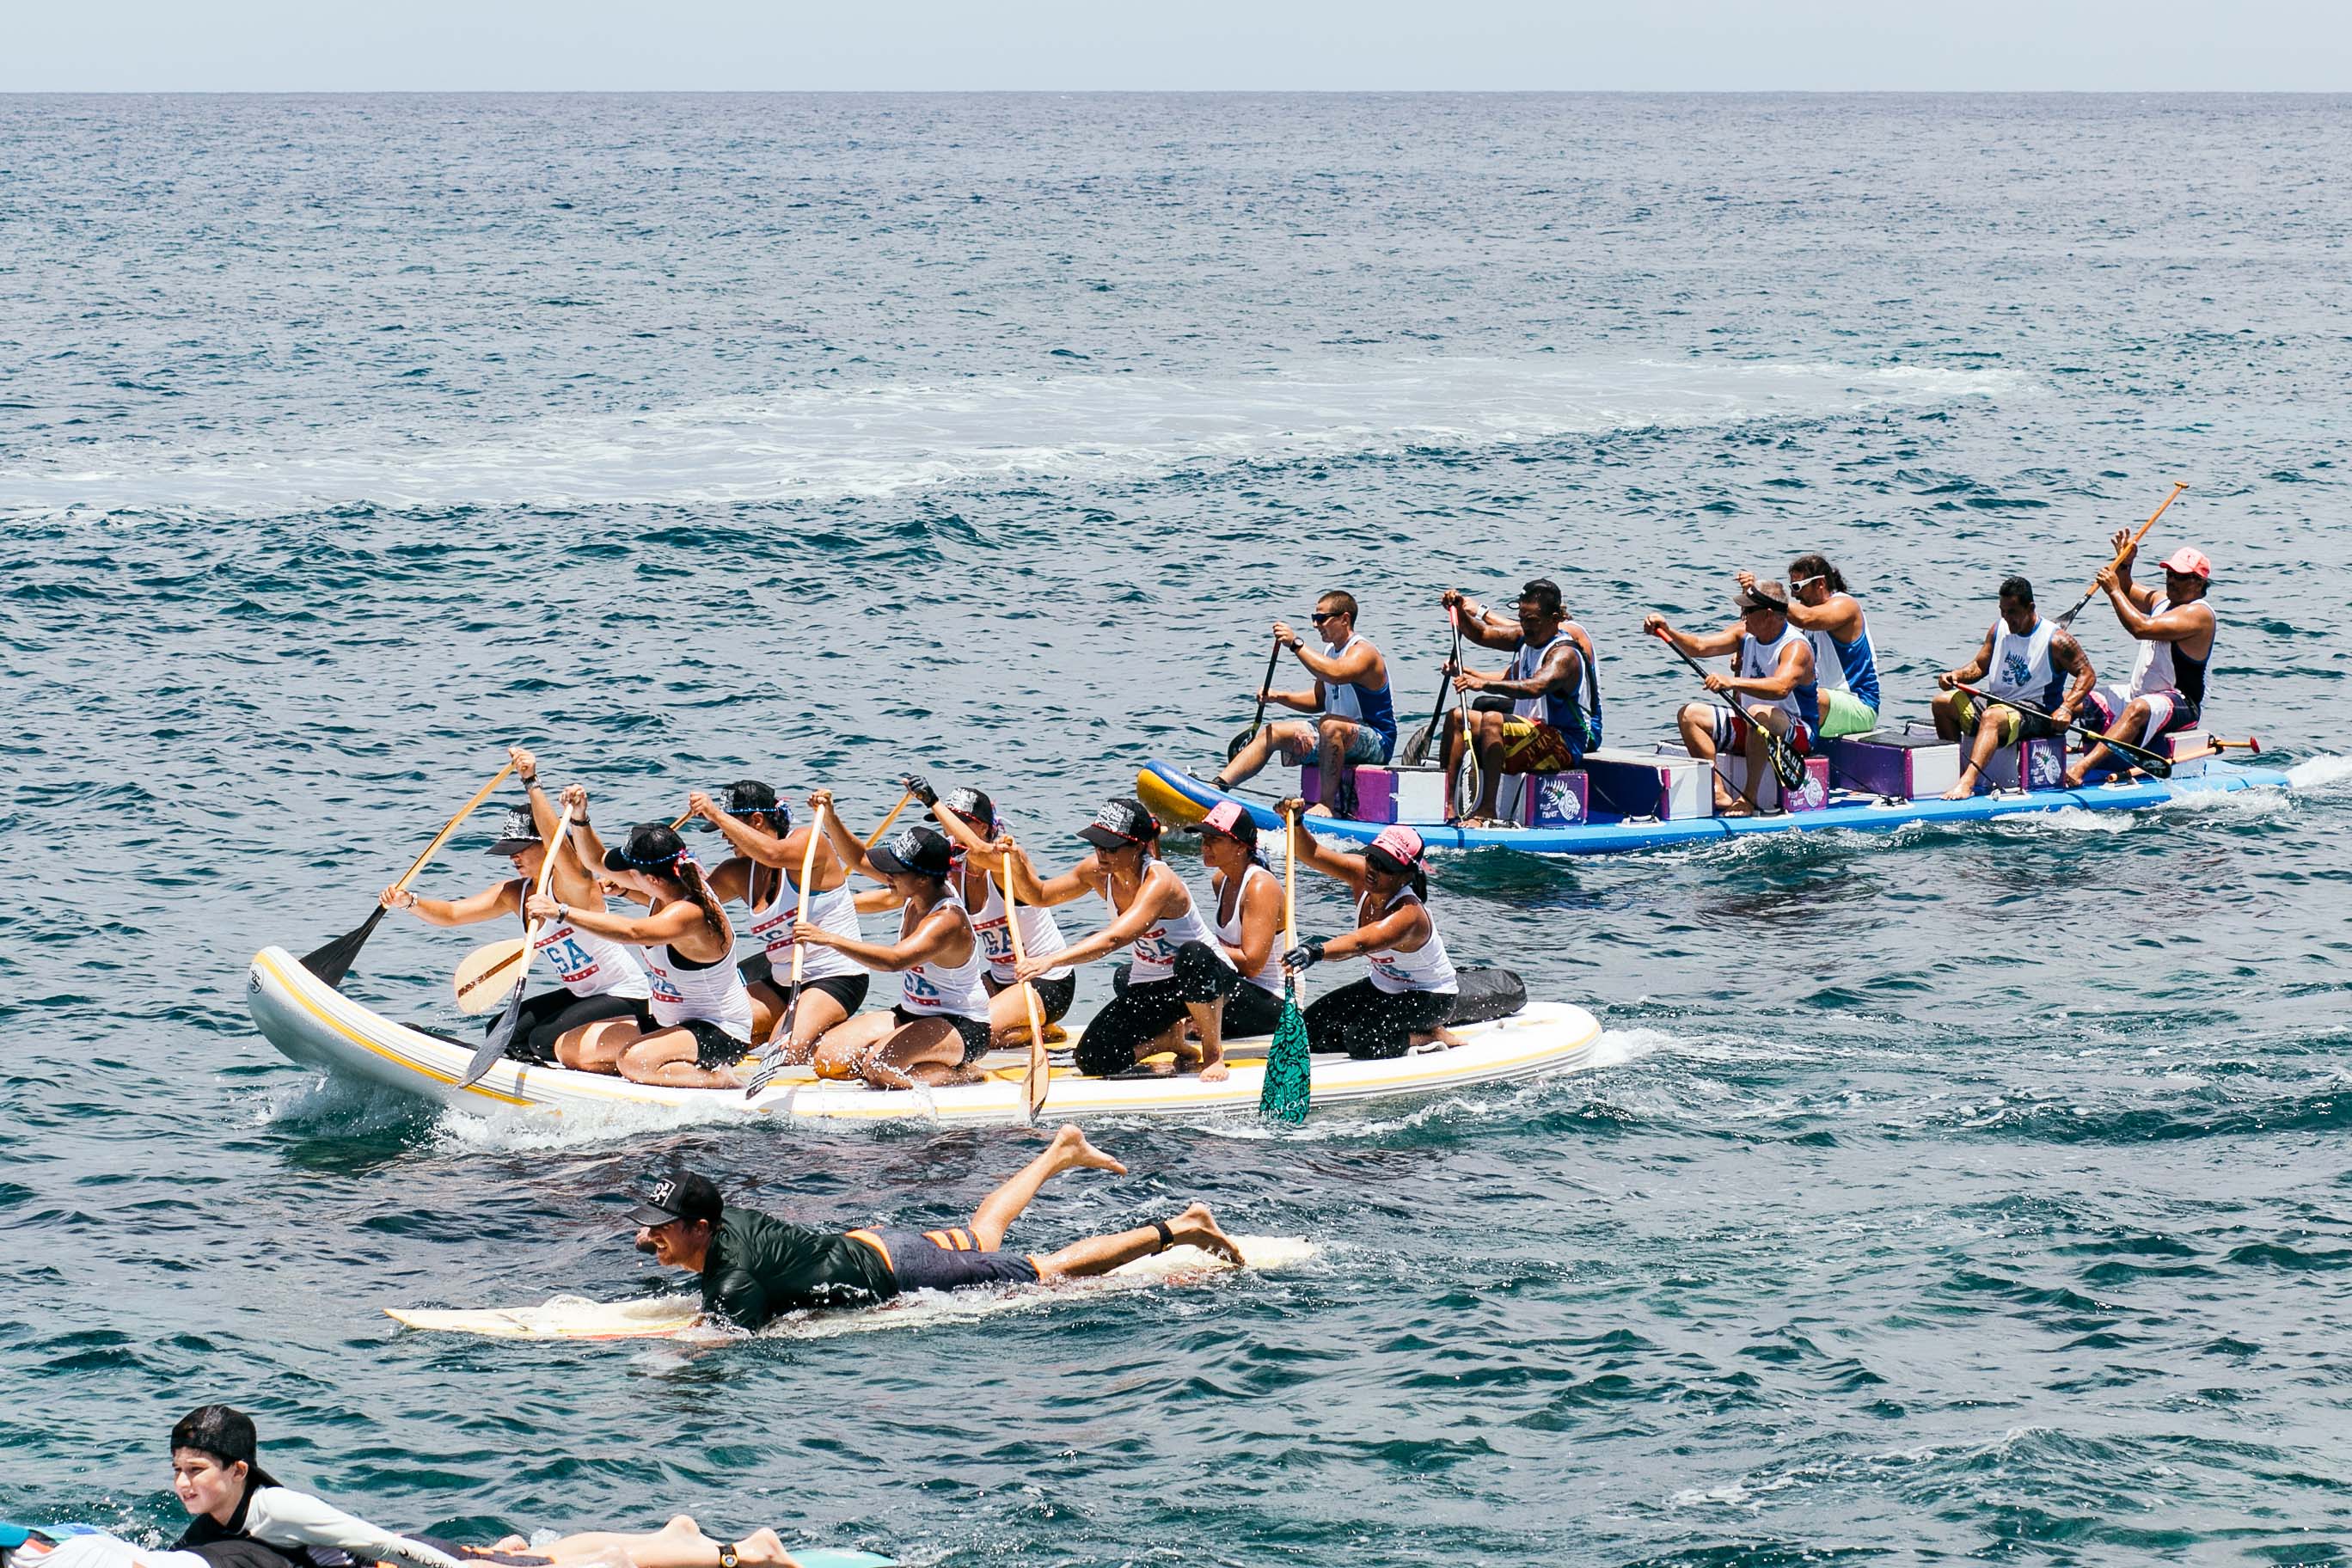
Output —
(1155, 950)
(1041, 934)
(716, 995)
(1759, 660)
(1339, 700)
(771, 929)
(592, 966)
(2020, 664)
(2153, 672)
(1523, 667)
(1269, 974)
(1427, 970)
(934, 988)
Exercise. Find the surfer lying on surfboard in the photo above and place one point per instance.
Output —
(755, 1267)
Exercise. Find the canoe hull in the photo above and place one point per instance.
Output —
(1180, 798)
(318, 1027)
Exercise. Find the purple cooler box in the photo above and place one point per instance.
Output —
(1901, 768)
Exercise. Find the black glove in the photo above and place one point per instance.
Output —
(915, 786)
(1306, 955)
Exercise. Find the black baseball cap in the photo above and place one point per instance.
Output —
(920, 850)
(1122, 822)
(683, 1196)
(517, 833)
(652, 847)
(973, 806)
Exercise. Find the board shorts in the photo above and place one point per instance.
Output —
(1532, 748)
(946, 1259)
(1054, 996)
(1732, 732)
(1843, 713)
(2011, 726)
(1366, 745)
(973, 1030)
(2166, 712)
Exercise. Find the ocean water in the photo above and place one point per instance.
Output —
(1963, 1193)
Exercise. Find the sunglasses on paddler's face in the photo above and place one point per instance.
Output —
(1320, 616)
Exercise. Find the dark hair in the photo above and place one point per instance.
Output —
(655, 849)
(2017, 590)
(227, 1434)
(1815, 566)
(1545, 593)
(1344, 600)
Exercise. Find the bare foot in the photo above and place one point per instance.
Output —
(763, 1550)
(1439, 1036)
(1070, 1146)
(1963, 790)
(2070, 779)
(1736, 808)
(1196, 1227)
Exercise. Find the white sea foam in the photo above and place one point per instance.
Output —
(878, 440)
(2320, 773)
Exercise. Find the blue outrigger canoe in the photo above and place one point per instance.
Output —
(1178, 795)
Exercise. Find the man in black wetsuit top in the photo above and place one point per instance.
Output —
(755, 1267)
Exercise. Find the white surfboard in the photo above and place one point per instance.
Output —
(680, 1317)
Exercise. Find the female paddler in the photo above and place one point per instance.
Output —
(1249, 917)
(701, 1011)
(1179, 967)
(768, 854)
(969, 819)
(940, 1024)
(601, 978)
(1411, 991)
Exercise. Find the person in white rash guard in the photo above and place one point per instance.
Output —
(1412, 992)
(598, 979)
(702, 1011)
(768, 854)
(939, 1026)
(969, 818)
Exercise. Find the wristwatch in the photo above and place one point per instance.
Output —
(728, 1559)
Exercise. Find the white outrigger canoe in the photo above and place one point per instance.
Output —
(318, 1025)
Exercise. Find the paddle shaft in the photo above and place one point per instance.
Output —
(876, 836)
(1785, 765)
(495, 1038)
(451, 826)
(1258, 720)
(1040, 1073)
(332, 961)
(1290, 893)
(800, 947)
(2091, 592)
(2157, 762)
(1453, 668)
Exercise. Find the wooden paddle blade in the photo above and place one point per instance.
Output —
(331, 962)
(486, 974)
(494, 1043)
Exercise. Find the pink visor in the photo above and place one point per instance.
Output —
(2189, 563)
(1400, 844)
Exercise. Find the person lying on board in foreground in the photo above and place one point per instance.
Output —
(1845, 660)
(939, 1026)
(968, 818)
(763, 872)
(755, 1267)
(601, 978)
(2024, 658)
(1411, 991)
(701, 1011)
(1178, 968)
(680, 1543)
(1549, 727)
(1354, 715)
(2176, 631)
(1773, 684)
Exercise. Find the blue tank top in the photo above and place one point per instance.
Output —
(1857, 661)
(1370, 705)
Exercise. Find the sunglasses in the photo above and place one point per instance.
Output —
(1320, 616)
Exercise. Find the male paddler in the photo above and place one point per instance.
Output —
(2024, 658)
(1354, 717)
(1845, 661)
(1551, 684)
(755, 1267)
(1773, 684)
(2176, 631)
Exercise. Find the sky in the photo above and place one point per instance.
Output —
(328, 46)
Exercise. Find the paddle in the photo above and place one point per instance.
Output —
(1040, 1075)
(760, 1079)
(2154, 762)
(334, 962)
(1787, 766)
(494, 1043)
(1419, 753)
(478, 974)
(2067, 620)
(876, 836)
(1257, 723)
(1287, 1083)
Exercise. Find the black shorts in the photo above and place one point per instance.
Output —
(849, 990)
(947, 1260)
(973, 1030)
(1054, 996)
(713, 1047)
(551, 1015)
(1252, 1009)
(1141, 1012)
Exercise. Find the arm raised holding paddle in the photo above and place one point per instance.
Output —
(785, 875)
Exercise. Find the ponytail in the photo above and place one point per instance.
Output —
(688, 872)
(1805, 566)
